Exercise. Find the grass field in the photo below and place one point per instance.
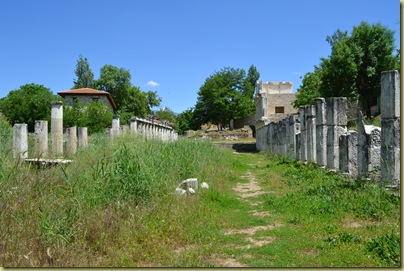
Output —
(115, 206)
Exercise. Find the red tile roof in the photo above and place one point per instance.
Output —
(87, 91)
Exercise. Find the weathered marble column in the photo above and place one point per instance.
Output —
(71, 140)
(20, 141)
(321, 132)
(391, 129)
(303, 134)
(115, 130)
(348, 150)
(369, 149)
(311, 133)
(82, 137)
(336, 122)
(41, 139)
(57, 128)
(292, 129)
(133, 126)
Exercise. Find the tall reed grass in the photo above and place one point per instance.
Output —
(114, 205)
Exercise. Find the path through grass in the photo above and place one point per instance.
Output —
(293, 215)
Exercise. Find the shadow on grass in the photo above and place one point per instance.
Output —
(245, 147)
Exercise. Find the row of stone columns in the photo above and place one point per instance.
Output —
(74, 136)
(145, 128)
(319, 134)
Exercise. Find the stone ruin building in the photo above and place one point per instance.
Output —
(273, 101)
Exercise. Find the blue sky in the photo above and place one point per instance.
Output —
(172, 46)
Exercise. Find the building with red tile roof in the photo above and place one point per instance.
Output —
(87, 95)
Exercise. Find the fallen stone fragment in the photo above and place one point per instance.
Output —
(180, 191)
(192, 182)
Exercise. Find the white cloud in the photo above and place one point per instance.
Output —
(152, 84)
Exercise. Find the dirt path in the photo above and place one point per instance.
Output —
(248, 192)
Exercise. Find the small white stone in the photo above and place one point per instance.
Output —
(191, 190)
(204, 185)
(180, 191)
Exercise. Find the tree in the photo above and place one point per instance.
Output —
(153, 100)
(185, 121)
(309, 90)
(376, 48)
(27, 104)
(252, 76)
(85, 77)
(96, 116)
(225, 95)
(136, 102)
(356, 62)
(116, 81)
(166, 114)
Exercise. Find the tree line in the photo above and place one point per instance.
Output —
(32, 101)
(352, 70)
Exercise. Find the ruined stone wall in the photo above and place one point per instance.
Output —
(319, 134)
(274, 100)
(246, 121)
(281, 100)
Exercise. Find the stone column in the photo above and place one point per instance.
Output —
(321, 132)
(291, 136)
(57, 128)
(303, 134)
(20, 141)
(336, 122)
(348, 160)
(270, 137)
(82, 137)
(133, 126)
(115, 130)
(311, 133)
(71, 140)
(369, 149)
(284, 136)
(41, 139)
(391, 129)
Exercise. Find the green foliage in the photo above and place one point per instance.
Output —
(309, 90)
(225, 95)
(136, 102)
(96, 116)
(184, 121)
(253, 76)
(6, 135)
(354, 66)
(153, 100)
(386, 248)
(167, 114)
(116, 81)
(85, 77)
(27, 104)
(129, 99)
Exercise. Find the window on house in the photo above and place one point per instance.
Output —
(279, 109)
